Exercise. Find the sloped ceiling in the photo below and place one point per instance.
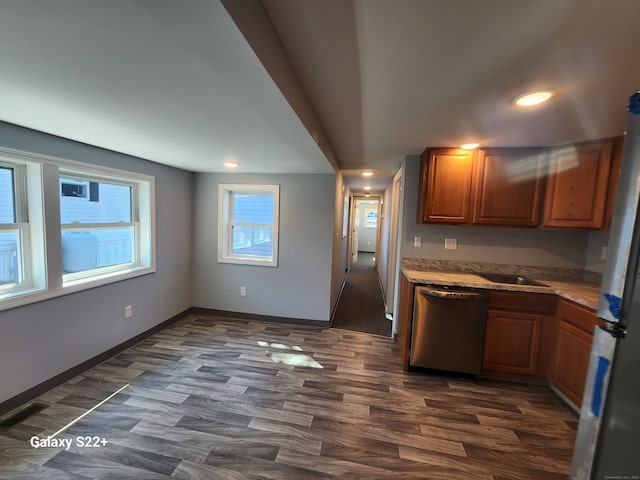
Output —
(173, 82)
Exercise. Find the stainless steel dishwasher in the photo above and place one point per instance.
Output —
(448, 329)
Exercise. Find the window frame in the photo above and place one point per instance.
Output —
(75, 277)
(21, 226)
(226, 191)
(41, 205)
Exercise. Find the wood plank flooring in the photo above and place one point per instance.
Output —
(219, 398)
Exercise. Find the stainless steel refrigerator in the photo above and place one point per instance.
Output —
(608, 437)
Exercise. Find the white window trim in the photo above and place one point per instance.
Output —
(79, 277)
(24, 247)
(22, 227)
(224, 224)
(42, 182)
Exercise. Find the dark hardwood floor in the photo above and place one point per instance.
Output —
(215, 398)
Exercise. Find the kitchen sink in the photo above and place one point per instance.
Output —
(511, 279)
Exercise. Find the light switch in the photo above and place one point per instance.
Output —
(417, 241)
(450, 243)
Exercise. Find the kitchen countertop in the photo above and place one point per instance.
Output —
(583, 292)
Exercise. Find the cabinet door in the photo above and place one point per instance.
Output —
(445, 186)
(574, 336)
(405, 316)
(571, 361)
(511, 342)
(508, 187)
(577, 186)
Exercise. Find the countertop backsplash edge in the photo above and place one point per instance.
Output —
(551, 273)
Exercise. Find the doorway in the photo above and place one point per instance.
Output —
(361, 305)
(394, 229)
(364, 227)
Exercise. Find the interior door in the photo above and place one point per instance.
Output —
(393, 245)
(355, 230)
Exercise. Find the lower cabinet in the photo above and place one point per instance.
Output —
(519, 333)
(533, 334)
(574, 336)
(405, 319)
(512, 340)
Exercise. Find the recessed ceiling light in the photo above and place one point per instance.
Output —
(469, 146)
(367, 173)
(231, 164)
(367, 188)
(533, 98)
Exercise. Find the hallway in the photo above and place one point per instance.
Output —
(361, 306)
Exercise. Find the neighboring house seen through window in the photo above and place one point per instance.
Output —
(97, 234)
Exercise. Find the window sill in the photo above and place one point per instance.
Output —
(34, 295)
(248, 261)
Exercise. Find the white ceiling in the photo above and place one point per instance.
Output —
(175, 82)
(390, 78)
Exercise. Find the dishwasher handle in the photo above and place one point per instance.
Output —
(454, 294)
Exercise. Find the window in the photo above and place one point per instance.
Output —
(14, 229)
(106, 224)
(97, 234)
(248, 224)
(98, 229)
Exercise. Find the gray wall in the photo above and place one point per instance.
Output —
(519, 246)
(595, 262)
(383, 246)
(41, 340)
(339, 260)
(300, 287)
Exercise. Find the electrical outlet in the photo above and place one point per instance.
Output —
(243, 291)
(128, 311)
(417, 241)
(450, 243)
(603, 255)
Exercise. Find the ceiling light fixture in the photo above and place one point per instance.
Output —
(469, 146)
(231, 164)
(367, 173)
(367, 188)
(533, 98)
(367, 194)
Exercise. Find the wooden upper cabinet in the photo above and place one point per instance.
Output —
(445, 186)
(577, 185)
(508, 186)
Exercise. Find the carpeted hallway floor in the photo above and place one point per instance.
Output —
(361, 307)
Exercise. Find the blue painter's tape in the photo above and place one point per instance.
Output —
(634, 103)
(598, 387)
(614, 305)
